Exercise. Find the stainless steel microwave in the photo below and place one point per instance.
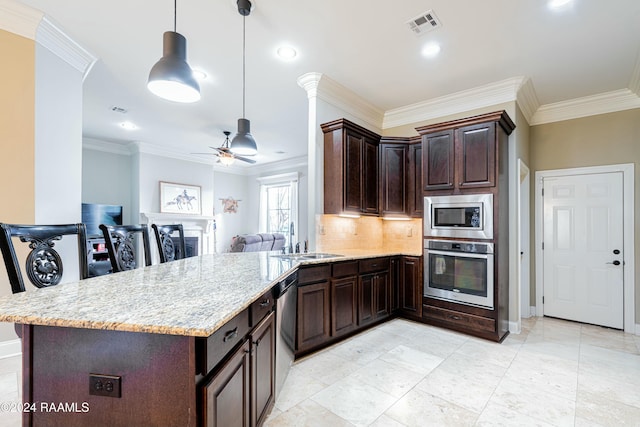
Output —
(460, 216)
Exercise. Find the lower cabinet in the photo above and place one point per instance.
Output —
(313, 315)
(242, 389)
(410, 286)
(344, 307)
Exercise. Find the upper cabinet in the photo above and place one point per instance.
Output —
(462, 154)
(415, 203)
(393, 176)
(350, 169)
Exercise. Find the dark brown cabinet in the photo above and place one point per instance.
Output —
(313, 315)
(263, 374)
(415, 204)
(410, 286)
(344, 308)
(350, 169)
(393, 178)
(241, 390)
(374, 290)
(225, 399)
(461, 154)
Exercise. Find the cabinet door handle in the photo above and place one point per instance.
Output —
(231, 334)
(454, 317)
(265, 303)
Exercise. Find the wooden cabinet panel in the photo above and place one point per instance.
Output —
(394, 279)
(344, 306)
(411, 285)
(415, 204)
(353, 182)
(350, 168)
(366, 299)
(313, 315)
(213, 349)
(225, 399)
(393, 175)
(370, 177)
(438, 161)
(382, 289)
(476, 156)
(460, 320)
(263, 374)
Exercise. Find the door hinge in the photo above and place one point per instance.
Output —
(543, 299)
(543, 246)
(543, 192)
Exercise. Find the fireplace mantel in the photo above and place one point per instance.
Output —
(193, 225)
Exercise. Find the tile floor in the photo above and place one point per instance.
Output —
(555, 373)
(401, 373)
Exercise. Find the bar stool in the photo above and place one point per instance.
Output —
(44, 266)
(119, 240)
(166, 245)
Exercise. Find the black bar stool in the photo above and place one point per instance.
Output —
(166, 245)
(43, 264)
(119, 240)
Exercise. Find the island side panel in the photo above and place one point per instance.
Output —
(157, 377)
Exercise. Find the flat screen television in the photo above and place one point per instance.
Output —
(95, 214)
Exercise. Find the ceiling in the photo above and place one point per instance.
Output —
(586, 48)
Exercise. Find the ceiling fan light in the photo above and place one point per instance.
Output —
(171, 77)
(243, 143)
(227, 160)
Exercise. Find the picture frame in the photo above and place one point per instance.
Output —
(180, 198)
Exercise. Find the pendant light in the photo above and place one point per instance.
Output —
(243, 143)
(171, 77)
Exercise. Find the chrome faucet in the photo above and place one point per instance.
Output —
(298, 247)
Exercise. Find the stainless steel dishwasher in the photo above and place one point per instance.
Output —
(286, 294)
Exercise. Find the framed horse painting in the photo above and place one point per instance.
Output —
(180, 198)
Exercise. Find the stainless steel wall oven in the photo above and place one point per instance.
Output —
(460, 272)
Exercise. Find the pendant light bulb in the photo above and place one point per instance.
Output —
(171, 77)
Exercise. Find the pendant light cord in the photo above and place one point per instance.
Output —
(175, 14)
(243, 62)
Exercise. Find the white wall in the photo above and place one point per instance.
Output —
(245, 221)
(151, 169)
(106, 179)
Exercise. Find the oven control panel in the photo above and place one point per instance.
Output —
(455, 246)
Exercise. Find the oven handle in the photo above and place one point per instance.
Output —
(458, 254)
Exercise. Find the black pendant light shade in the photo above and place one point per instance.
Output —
(172, 78)
(243, 143)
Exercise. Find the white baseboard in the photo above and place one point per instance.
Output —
(514, 327)
(637, 329)
(10, 348)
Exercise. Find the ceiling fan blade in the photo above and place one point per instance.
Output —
(244, 159)
(210, 154)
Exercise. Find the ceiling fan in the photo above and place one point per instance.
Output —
(225, 156)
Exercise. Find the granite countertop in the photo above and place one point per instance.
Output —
(193, 297)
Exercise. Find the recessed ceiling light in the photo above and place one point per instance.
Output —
(558, 4)
(286, 53)
(128, 125)
(199, 74)
(431, 50)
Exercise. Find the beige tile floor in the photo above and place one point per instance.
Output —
(555, 373)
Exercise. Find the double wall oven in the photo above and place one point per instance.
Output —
(460, 271)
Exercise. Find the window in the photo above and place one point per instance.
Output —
(279, 207)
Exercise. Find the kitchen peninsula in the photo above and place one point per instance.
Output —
(144, 347)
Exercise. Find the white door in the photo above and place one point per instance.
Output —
(583, 243)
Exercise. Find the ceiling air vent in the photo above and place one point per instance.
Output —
(117, 109)
(424, 22)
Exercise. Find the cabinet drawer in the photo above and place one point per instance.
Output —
(314, 274)
(373, 264)
(347, 268)
(460, 319)
(261, 307)
(211, 350)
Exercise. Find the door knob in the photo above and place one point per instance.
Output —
(616, 251)
(616, 262)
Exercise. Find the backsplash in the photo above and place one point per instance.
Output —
(334, 233)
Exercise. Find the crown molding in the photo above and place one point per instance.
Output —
(106, 147)
(527, 100)
(19, 19)
(470, 99)
(322, 86)
(608, 102)
(280, 165)
(52, 37)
